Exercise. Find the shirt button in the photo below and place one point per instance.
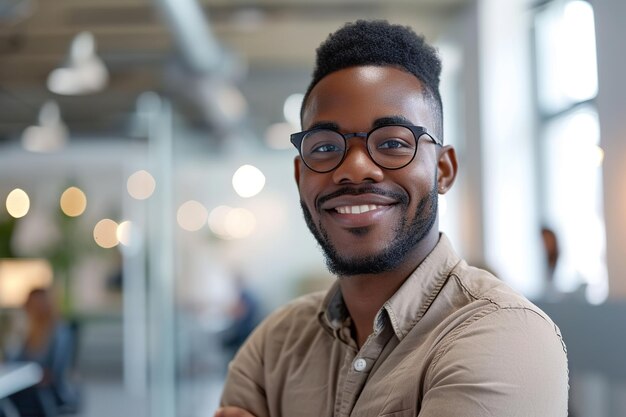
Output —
(360, 365)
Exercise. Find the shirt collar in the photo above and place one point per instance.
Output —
(407, 306)
(333, 312)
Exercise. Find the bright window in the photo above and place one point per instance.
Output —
(571, 159)
(566, 55)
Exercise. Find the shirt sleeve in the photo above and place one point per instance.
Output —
(510, 362)
(245, 383)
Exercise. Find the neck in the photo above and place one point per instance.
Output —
(364, 295)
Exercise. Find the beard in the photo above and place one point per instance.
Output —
(407, 235)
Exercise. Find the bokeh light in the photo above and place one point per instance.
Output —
(217, 218)
(291, 109)
(232, 223)
(124, 233)
(231, 102)
(191, 216)
(141, 185)
(239, 223)
(18, 203)
(105, 233)
(73, 202)
(20, 277)
(248, 181)
(277, 135)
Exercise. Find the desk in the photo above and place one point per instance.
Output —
(16, 376)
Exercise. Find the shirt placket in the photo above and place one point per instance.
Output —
(356, 368)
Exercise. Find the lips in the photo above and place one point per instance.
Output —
(361, 210)
(355, 202)
(356, 209)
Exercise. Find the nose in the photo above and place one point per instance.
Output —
(357, 167)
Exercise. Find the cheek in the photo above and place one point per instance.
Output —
(419, 180)
(310, 187)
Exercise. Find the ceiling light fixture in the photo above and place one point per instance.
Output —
(50, 134)
(85, 72)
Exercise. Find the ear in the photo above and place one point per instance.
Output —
(446, 169)
(297, 163)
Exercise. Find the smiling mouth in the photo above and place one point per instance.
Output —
(358, 209)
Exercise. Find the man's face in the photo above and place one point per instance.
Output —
(397, 208)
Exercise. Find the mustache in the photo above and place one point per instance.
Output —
(402, 198)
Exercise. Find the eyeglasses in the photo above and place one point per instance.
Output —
(389, 146)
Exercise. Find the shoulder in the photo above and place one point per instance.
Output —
(501, 344)
(483, 288)
(492, 306)
(516, 351)
(511, 360)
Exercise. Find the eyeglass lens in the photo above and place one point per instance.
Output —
(389, 146)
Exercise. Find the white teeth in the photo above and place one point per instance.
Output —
(364, 208)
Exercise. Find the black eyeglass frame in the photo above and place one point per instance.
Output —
(418, 132)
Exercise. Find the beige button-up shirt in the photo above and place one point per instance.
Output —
(452, 341)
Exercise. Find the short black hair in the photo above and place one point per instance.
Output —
(378, 42)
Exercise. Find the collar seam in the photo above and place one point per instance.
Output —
(429, 300)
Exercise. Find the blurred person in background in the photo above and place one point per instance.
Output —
(244, 314)
(551, 257)
(408, 328)
(48, 341)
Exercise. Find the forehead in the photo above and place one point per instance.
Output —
(355, 97)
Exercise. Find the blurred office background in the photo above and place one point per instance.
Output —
(146, 176)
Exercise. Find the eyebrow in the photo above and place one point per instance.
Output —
(324, 125)
(382, 121)
(391, 120)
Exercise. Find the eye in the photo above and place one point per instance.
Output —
(327, 147)
(323, 143)
(393, 143)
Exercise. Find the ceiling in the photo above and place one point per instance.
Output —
(271, 43)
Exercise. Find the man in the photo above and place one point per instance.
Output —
(408, 329)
